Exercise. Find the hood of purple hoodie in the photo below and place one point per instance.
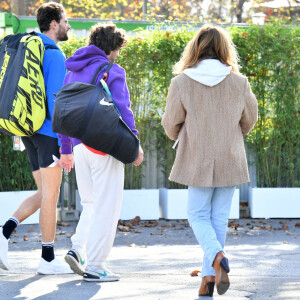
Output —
(84, 57)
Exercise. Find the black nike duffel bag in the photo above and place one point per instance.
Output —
(87, 112)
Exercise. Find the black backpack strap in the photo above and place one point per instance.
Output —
(51, 47)
(47, 110)
(105, 75)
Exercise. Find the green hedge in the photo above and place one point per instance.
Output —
(269, 56)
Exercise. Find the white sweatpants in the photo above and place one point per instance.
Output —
(100, 181)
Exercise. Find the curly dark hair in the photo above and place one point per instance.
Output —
(107, 37)
(48, 12)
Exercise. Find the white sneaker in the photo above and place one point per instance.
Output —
(75, 261)
(100, 273)
(53, 267)
(3, 251)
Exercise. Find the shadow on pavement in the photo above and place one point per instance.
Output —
(73, 289)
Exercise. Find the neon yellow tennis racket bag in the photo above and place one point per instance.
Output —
(22, 89)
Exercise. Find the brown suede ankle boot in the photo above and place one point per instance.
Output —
(207, 286)
(221, 267)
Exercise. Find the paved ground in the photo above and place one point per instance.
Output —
(155, 260)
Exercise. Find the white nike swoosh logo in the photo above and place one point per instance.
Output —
(103, 102)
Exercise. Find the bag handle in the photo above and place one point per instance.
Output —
(103, 82)
(105, 75)
(99, 87)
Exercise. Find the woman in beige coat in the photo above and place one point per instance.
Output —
(210, 106)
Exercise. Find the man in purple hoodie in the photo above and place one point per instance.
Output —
(100, 177)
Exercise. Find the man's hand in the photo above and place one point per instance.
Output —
(140, 157)
(67, 161)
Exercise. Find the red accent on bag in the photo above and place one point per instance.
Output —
(94, 151)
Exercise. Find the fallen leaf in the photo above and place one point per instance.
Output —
(131, 226)
(149, 224)
(282, 222)
(135, 221)
(195, 273)
(285, 227)
(123, 228)
(60, 232)
(166, 225)
(25, 238)
(65, 224)
(31, 230)
(297, 225)
(12, 242)
(177, 228)
(132, 245)
(56, 239)
(120, 222)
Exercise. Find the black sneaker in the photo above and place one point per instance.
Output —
(75, 261)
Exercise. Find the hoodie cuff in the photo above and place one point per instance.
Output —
(66, 148)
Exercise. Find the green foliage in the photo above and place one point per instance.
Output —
(15, 174)
(148, 60)
(269, 58)
(72, 44)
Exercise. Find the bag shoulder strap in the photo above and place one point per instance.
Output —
(105, 75)
(51, 47)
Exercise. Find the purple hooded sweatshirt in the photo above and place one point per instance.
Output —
(82, 66)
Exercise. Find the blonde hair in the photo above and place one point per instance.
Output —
(209, 42)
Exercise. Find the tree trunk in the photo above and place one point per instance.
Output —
(18, 7)
(239, 10)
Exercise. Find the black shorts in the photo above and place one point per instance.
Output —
(40, 150)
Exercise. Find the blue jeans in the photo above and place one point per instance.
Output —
(208, 213)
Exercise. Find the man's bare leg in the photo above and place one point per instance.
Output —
(51, 180)
(32, 203)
